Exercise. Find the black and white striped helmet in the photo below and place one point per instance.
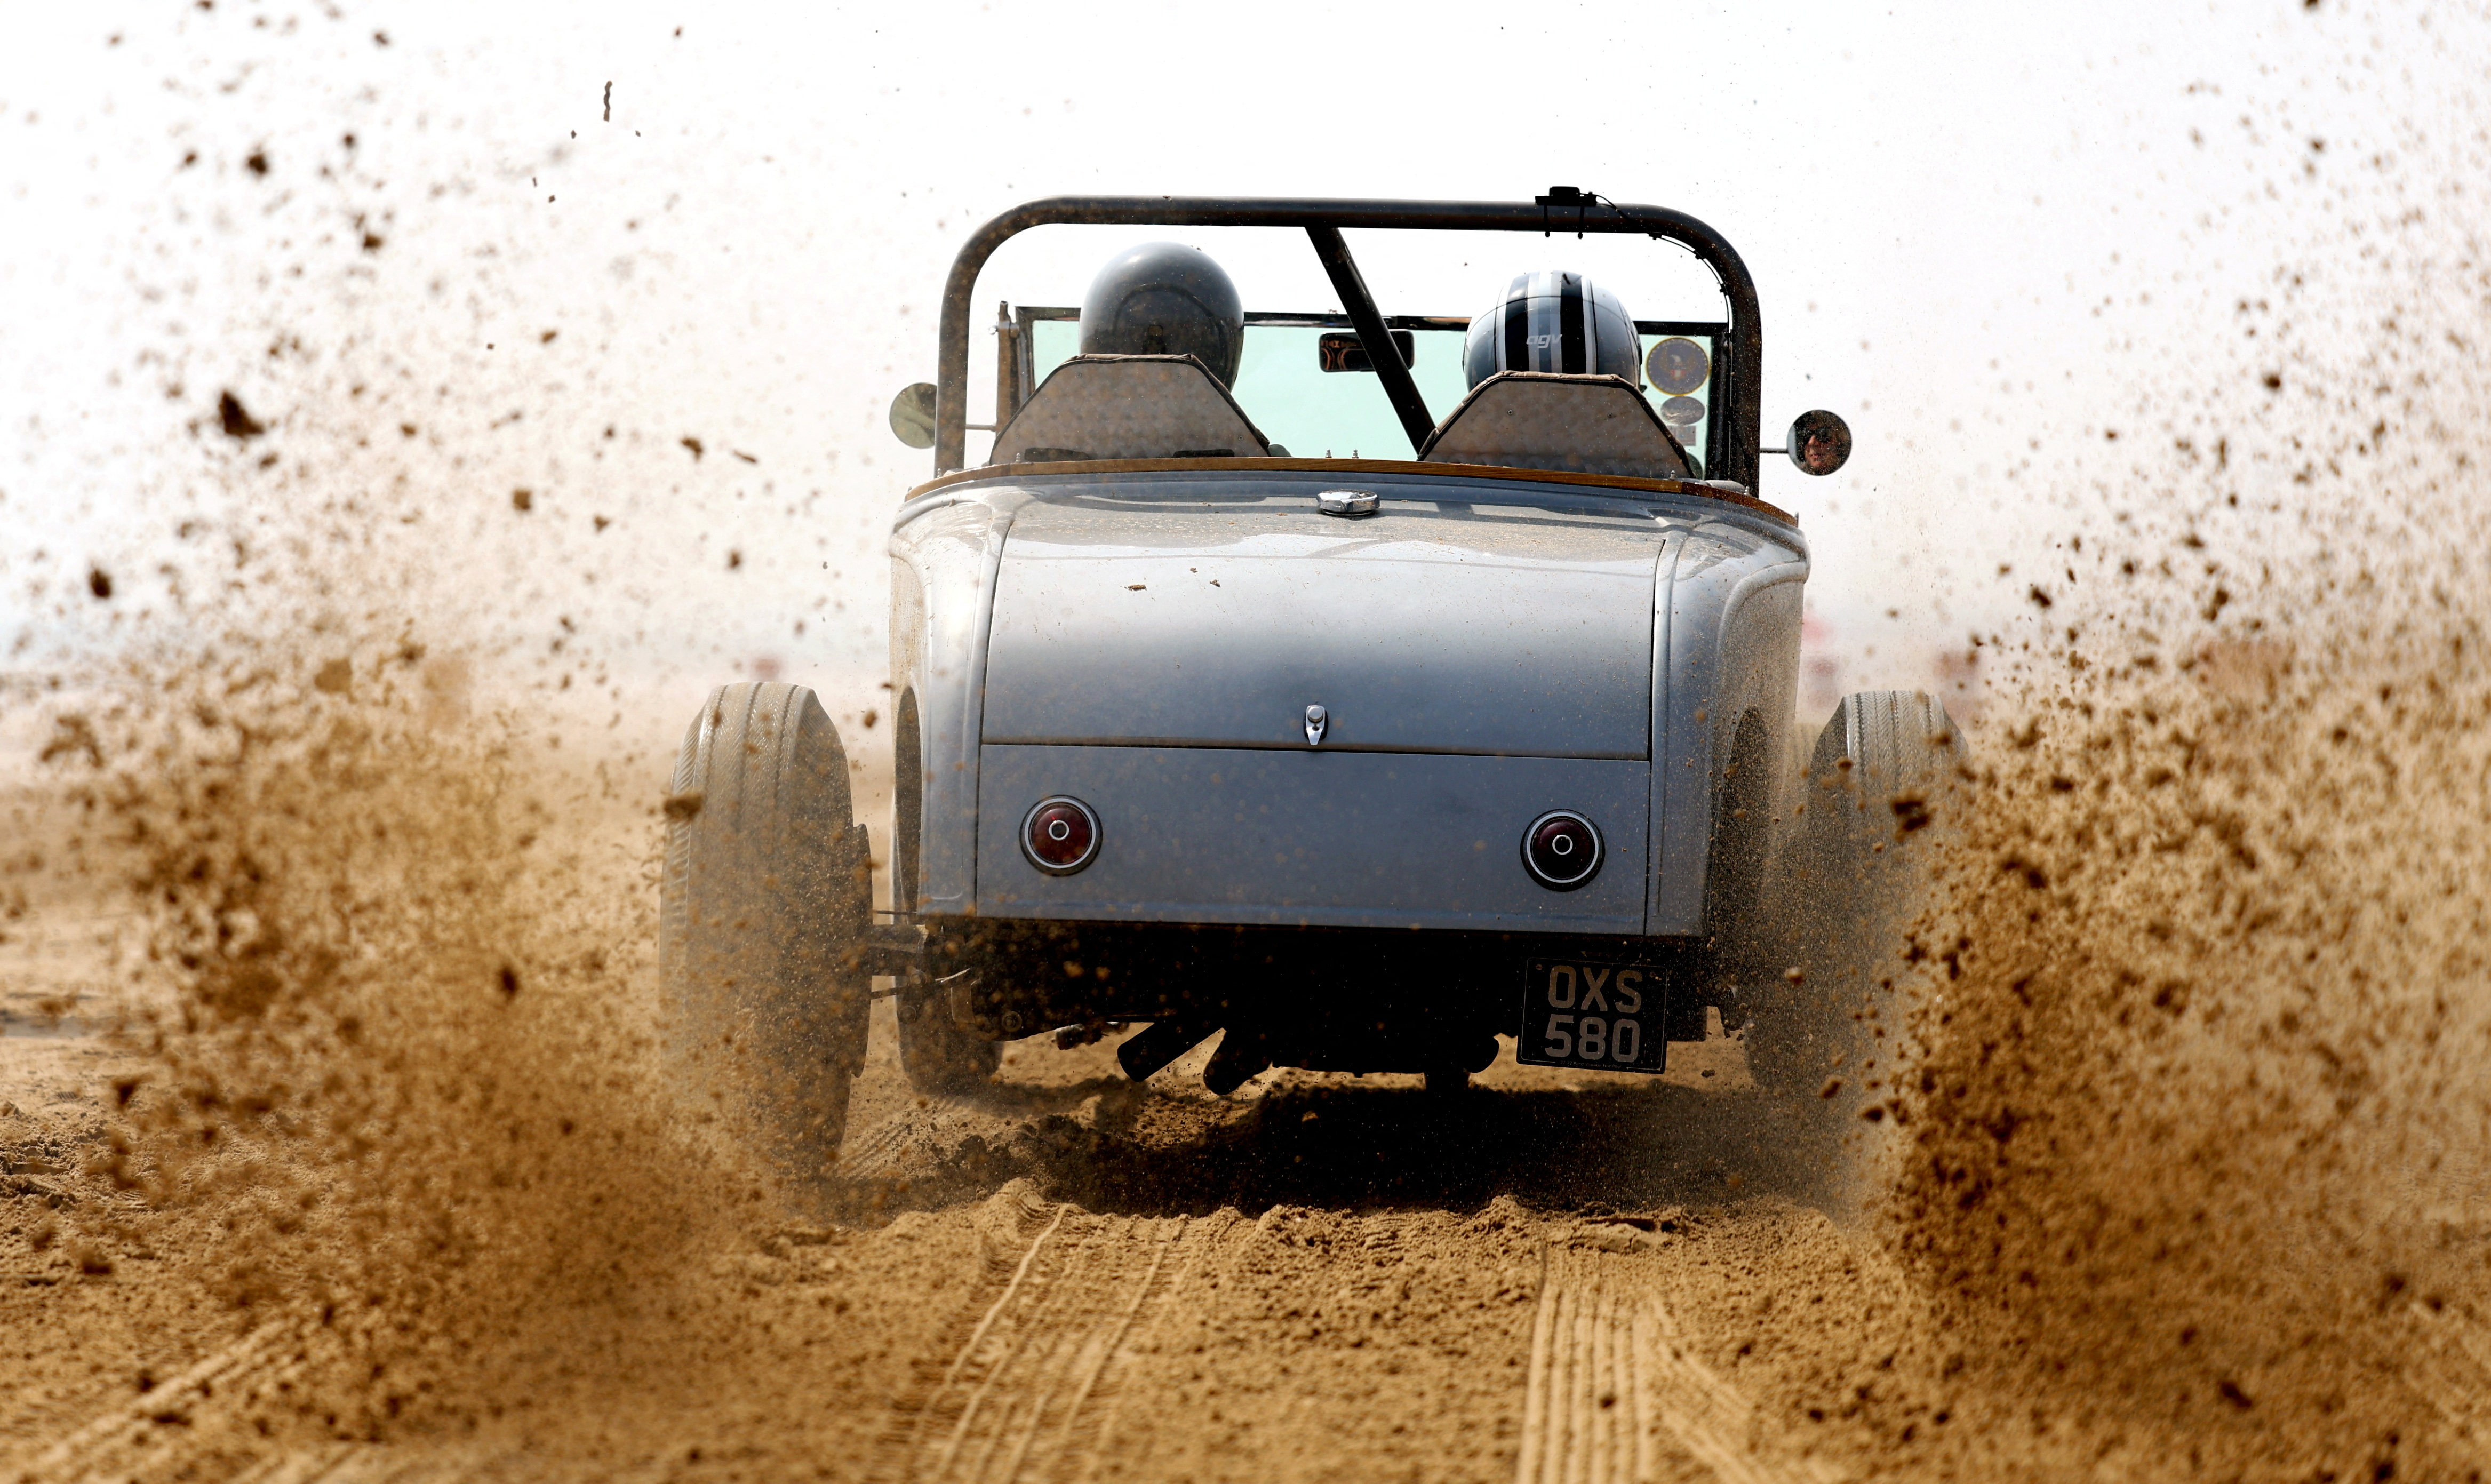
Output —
(1555, 321)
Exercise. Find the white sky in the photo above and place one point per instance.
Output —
(1982, 234)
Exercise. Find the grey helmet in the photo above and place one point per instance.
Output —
(1554, 321)
(1165, 298)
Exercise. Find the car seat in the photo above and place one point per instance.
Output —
(1537, 420)
(1117, 407)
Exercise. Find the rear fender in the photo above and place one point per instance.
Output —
(944, 551)
(1729, 624)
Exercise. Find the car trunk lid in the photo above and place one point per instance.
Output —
(1426, 629)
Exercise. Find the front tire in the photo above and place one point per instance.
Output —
(763, 913)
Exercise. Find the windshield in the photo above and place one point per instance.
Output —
(1313, 411)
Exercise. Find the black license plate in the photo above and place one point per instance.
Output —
(1596, 1016)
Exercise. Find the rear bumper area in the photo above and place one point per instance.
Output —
(1311, 837)
(1340, 999)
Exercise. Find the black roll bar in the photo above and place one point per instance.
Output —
(1738, 459)
(1400, 388)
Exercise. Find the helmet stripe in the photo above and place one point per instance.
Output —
(1591, 325)
(1569, 325)
(1515, 352)
(1544, 322)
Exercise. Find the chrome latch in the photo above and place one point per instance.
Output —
(1350, 503)
(1317, 723)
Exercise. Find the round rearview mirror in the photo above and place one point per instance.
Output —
(912, 416)
(1819, 443)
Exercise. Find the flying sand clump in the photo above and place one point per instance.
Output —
(392, 1073)
(2195, 1150)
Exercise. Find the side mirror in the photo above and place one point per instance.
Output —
(912, 416)
(1819, 443)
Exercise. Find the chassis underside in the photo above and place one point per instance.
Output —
(1355, 1000)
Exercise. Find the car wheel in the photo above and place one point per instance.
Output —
(763, 912)
(937, 1054)
(1826, 984)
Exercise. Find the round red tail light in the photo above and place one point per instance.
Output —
(1060, 835)
(1561, 850)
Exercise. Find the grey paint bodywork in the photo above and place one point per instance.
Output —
(1507, 631)
(1312, 837)
(1485, 647)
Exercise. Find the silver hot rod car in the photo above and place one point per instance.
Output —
(1363, 687)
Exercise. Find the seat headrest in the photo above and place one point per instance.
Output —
(1538, 420)
(1101, 407)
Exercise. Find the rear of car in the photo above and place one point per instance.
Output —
(1191, 750)
(1358, 762)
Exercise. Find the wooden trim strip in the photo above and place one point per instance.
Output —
(1356, 466)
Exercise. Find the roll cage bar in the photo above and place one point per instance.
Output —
(1564, 208)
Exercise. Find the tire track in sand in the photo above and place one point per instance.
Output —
(2454, 1369)
(198, 1425)
(1030, 1395)
(370, 1463)
(338, 1461)
(882, 1149)
(896, 1132)
(1617, 1394)
(137, 1437)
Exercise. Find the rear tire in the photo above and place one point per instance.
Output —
(937, 1054)
(1829, 996)
(763, 914)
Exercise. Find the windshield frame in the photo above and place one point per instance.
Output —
(1021, 378)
